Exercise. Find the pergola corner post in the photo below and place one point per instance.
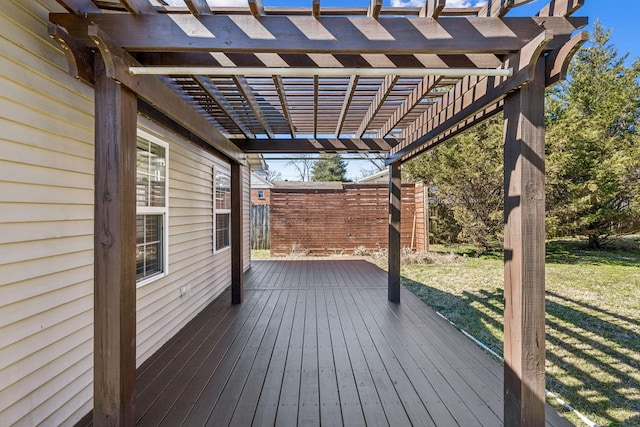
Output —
(524, 254)
(114, 251)
(395, 186)
(237, 250)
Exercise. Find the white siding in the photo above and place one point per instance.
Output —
(46, 230)
(161, 310)
(46, 225)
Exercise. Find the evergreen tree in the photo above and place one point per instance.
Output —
(593, 148)
(329, 167)
(465, 177)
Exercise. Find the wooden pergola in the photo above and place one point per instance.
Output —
(256, 79)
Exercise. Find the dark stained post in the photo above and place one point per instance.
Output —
(524, 252)
(114, 252)
(237, 216)
(395, 184)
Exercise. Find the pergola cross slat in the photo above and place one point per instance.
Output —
(412, 77)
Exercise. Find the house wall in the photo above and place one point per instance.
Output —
(266, 197)
(46, 230)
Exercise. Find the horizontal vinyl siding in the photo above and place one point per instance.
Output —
(46, 225)
(46, 231)
(161, 310)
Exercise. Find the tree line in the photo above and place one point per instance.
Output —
(592, 159)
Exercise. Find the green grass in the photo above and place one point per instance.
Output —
(593, 320)
(260, 253)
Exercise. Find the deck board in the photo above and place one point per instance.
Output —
(317, 343)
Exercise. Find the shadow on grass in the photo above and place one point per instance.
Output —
(591, 355)
(577, 252)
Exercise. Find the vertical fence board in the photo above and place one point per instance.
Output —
(333, 221)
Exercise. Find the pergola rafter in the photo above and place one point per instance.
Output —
(412, 77)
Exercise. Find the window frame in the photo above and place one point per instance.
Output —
(163, 211)
(216, 210)
(260, 194)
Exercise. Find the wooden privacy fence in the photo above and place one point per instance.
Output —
(337, 221)
(260, 227)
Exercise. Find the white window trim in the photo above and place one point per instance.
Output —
(164, 211)
(218, 169)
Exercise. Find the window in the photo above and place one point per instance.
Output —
(260, 194)
(222, 210)
(151, 207)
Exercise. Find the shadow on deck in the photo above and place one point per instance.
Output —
(316, 342)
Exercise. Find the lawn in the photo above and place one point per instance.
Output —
(592, 322)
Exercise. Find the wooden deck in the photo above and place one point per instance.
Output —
(317, 343)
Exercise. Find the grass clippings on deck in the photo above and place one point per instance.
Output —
(593, 320)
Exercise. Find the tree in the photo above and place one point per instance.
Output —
(465, 176)
(593, 148)
(272, 175)
(303, 164)
(329, 167)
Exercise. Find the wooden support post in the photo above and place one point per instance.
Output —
(524, 252)
(237, 216)
(395, 184)
(114, 252)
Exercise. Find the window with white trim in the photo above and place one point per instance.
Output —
(152, 207)
(221, 210)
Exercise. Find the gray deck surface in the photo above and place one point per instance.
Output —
(316, 342)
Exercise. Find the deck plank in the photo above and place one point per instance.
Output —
(411, 401)
(287, 414)
(317, 343)
(239, 356)
(391, 401)
(350, 404)
(269, 394)
(309, 400)
(330, 412)
(201, 374)
(165, 391)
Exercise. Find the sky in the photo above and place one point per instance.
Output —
(618, 15)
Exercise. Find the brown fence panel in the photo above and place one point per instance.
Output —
(337, 221)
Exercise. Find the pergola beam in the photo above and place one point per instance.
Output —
(351, 88)
(432, 9)
(245, 89)
(561, 8)
(500, 8)
(256, 7)
(316, 90)
(156, 93)
(138, 7)
(282, 96)
(421, 90)
(374, 9)
(198, 7)
(335, 35)
(210, 88)
(79, 6)
(315, 9)
(314, 145)
(469, 96)
(381, 95)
